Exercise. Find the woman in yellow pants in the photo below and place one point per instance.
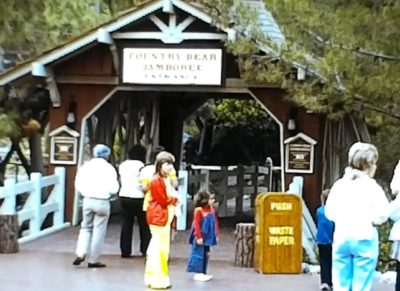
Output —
(160, 213)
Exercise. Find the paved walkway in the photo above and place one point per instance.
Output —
(46, 264)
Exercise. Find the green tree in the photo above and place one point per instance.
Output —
(7, 125)
(29, 27)
(348, 49)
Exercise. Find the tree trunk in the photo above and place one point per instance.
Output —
(24, 161)
(244, 252)
(9, 234)
(4, 163)
(35, 145)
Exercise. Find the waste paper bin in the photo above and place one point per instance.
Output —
(278, 247)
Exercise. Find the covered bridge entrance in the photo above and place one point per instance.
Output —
(163, 60)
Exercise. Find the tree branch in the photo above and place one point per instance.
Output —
(380, 110)
(359, 51)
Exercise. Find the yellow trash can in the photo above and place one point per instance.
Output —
(278, 234)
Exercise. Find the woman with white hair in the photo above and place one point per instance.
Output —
(356, 204)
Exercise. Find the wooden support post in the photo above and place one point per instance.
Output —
(240, 190)
(255, 184)
(244, 252)
(223, 189)
(9, 234)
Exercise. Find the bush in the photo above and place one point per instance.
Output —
(385, 263)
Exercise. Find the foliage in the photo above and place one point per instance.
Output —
(243, 133)
(384, 262)
(387, 141)
(8, 126)
(350, 46)
(52, 21)
(348, 49)
(245, 113)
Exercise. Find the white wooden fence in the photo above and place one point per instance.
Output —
(232, 182)
(308, 226)
(34, 210)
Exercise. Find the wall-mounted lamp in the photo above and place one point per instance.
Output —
(292, 114)
(291, 125)
(71, 115)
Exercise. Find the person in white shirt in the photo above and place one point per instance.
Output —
(132, 196)
(356, 204)
(97, 181)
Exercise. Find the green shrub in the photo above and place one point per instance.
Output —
(385, 263)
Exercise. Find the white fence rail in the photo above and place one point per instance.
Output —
(308, 225)
(230, 182)
(34, 210)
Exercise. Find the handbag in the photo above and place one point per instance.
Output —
(156, 214)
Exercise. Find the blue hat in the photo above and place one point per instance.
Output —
(101, 151)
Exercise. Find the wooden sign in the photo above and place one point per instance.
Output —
(278, 234)
(299, 154)
(64, 146)
(172, 66)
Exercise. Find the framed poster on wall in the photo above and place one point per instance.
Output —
(299, 154)
(64, 146)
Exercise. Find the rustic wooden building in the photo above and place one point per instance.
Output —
(165, 58)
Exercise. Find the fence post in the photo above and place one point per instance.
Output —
(183, 187)
(9, 204)
(240, 188)
(60, 196)
(36, 203)
(254, 178)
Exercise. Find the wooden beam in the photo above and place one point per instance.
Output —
(53, 88)
(172, 22)
(161, 35)
(38, 70)
(105, 37)
(114, 53)
(168, 7)
(183, 88)
(230, 83)
(93, 80)
(185, 24)
(158, 22)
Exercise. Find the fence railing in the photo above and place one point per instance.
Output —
(230, 182)
(33, 201)
(308, 225)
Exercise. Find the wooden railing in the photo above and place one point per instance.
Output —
(308, 226)
(230, 182)
(39, 200)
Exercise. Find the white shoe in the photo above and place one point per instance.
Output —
(202, 277)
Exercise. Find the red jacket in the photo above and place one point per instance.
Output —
(159, 193)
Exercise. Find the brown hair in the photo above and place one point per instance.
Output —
(201, 199)
(163, 157)
(324, 196)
